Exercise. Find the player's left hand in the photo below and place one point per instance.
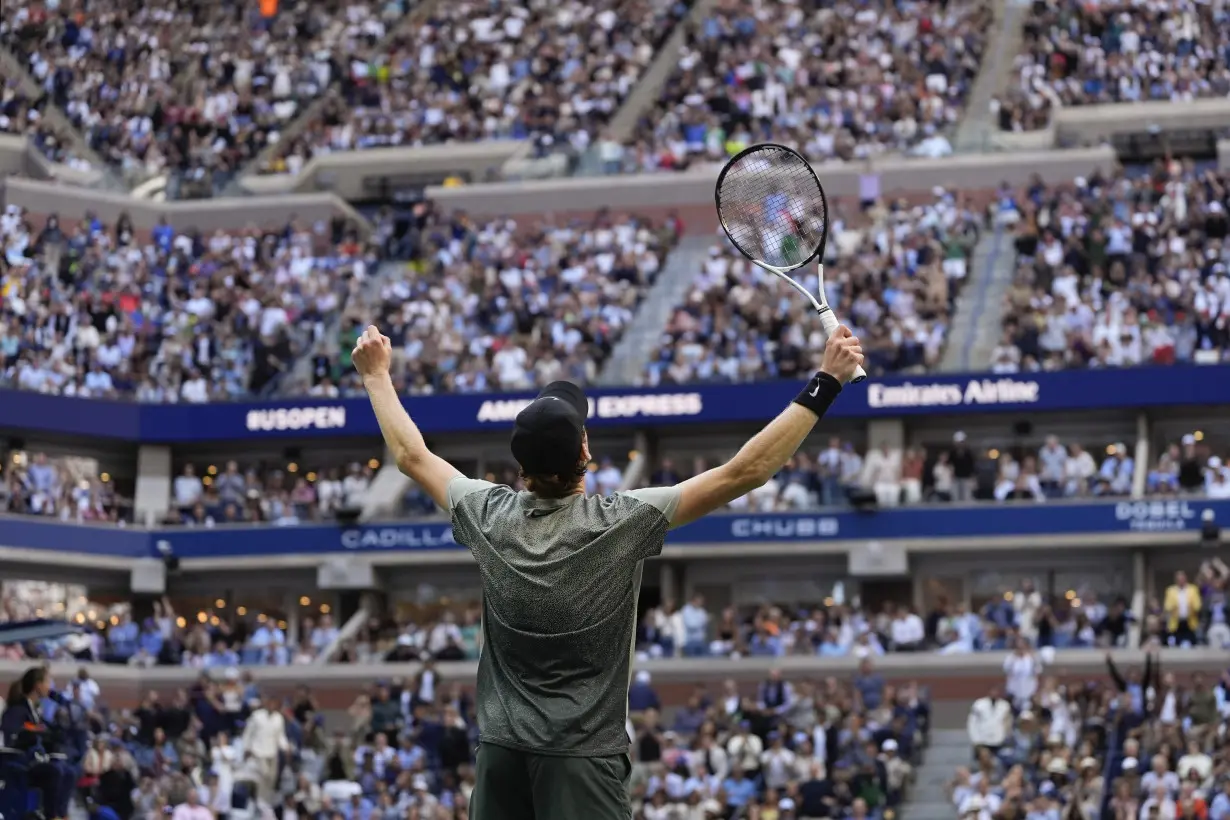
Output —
(372, 354)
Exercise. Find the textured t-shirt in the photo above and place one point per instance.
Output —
(561, 579)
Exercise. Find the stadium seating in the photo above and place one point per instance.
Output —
(193, 91)
(181, 317)
(1118, 271)
(506, 306)
(895, 286)
(844, 81)
(548, 72)
(1115, 52)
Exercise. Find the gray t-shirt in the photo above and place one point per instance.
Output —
(561, 579)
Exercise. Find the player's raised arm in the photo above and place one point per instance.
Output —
(371, 358)
(770, 449)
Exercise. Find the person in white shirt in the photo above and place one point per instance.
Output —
(777, 763)
(188, 487)
(1027, 601)
(1022, 669)
(695, 620)
(264, 737)
(907, 631)
(990, 721)
(192, 809)
(882, 475)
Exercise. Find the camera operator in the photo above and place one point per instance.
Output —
(25, 729)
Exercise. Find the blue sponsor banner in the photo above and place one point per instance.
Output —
(939, 523)
(1072, 390)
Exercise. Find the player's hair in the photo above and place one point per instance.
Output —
(546, 485)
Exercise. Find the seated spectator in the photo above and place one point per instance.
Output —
(836, 82)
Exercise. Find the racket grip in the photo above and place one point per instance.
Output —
(830, 324)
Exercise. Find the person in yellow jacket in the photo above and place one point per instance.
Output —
(1182, 610)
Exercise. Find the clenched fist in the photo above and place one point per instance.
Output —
(372, 353)
(843, 354)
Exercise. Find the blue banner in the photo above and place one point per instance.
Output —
(936, 522)
(1069, 390)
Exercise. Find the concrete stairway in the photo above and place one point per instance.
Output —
(641, 338)
(976, 326)
(927, 800)
(978, 127)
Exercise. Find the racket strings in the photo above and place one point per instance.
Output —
(771, 205)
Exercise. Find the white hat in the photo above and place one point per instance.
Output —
(420, 783)
(1189, 439)
(1214, 463)
(1129, 764)
(889, 745)
(958, 436)
(1057, 766)
(785, 804)
(642, 677)
(1089, 763)
(711, 807)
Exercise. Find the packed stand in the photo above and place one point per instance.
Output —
(793, 749)
(67, 489)
(187, 89)
(504, 306)
(20, 115)
(841, 474)
(543, 71)
(1143, 747)
(223, 747)
(1115, 51)
(1190, 468)
(895, 282)
(97, 311)
(837, 82)
(843, 626)
(1117, 271)
(279, 494)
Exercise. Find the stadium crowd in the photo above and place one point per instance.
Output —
(896, 285)
(226, 748)
(837, 81)
(1116, 51)
(1119, 270)
(548, 72)
(95, 311)
(502, 305)
(23, 116)
(1144, 747)
(191, 90)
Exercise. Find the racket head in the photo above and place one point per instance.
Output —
(772, 206)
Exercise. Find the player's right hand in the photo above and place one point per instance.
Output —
(843, 354)
(372, 354)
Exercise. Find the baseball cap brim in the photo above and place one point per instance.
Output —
(547, 434)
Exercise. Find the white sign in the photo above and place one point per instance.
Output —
(391, 538)
(649, 405)
(940, 394)
(297, 418)
(778, 528)
(1155, 516)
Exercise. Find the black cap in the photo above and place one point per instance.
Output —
(546, 437)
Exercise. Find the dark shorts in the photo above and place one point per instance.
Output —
(516, 785)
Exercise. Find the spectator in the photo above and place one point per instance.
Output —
(990, 722)
(1182, 607)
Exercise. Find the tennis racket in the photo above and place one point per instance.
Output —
(772, 206)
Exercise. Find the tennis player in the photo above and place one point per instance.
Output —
(561, 574)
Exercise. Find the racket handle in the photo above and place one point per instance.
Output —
(830, 324)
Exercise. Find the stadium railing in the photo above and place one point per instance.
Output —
(949, 677)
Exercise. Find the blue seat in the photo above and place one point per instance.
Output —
(17, 800)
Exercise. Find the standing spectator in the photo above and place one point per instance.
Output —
(264, 738)
(990, 721)
(1052, 461)
(695, 627)
(882, 475)
(191, 808)
(188, 488)
(1022, 669)
(1182, 606)
(962, 468)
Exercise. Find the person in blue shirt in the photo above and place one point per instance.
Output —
(1219, 808)
(870, 685)
(740, 790)
(641, 695)
(122, 640)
